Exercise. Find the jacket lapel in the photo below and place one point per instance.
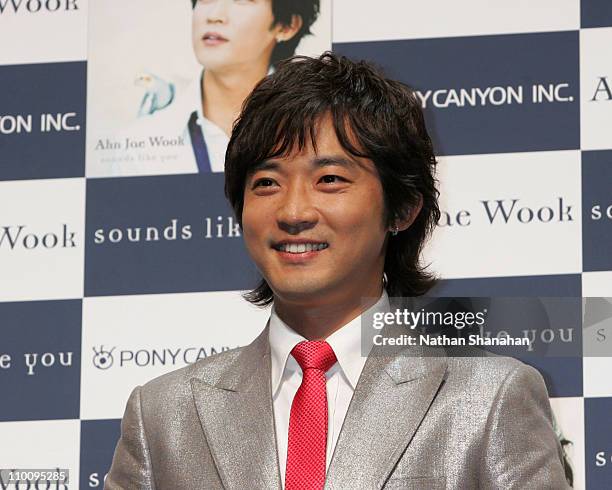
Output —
(391, 398)
(394, 393)
(235, 410)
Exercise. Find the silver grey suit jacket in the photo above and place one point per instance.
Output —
(414, 422)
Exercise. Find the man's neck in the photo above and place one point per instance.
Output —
(317, 322)
(224, 93)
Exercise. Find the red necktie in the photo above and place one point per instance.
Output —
(308, 420)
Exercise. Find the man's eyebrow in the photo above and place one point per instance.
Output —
(263, 165)
(323, 161)
(326, 161)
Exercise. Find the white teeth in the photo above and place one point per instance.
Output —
(298, 248)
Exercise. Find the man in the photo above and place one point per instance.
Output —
(236, 43)
(330, 172)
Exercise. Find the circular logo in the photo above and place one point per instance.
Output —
(103, 359)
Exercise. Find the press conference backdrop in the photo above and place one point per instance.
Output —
(120, 262)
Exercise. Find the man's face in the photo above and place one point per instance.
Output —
(232, 32)
(313, 223)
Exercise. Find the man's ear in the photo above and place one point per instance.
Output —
(286, 32)
(411, 214)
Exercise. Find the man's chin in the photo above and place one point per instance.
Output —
(301, 293)
(211, 61)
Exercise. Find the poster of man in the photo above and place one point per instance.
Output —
(166, 80)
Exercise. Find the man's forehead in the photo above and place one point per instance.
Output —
(319, 145)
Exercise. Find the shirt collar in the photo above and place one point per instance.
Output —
(346, 343)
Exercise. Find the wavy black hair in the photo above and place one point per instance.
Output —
(283, 11)
(373, 117)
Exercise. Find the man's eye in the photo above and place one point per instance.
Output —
(263, 183)
(332, 179)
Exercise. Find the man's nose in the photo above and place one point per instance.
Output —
(217, 11)
(297, 212)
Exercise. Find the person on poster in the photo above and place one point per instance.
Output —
(330, 172)
(237, 42)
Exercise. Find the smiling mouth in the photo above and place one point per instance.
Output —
(213, 38)
(299, 248)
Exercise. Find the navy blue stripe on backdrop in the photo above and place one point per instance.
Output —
(597, 210)
(595, 13)
(40, 360)
(562, 285)
(42, 120)
(598, 442)
(98, 441)
(163, 234)
(489, 94)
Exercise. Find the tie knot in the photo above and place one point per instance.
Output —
(314, 354)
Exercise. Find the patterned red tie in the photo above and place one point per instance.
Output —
(308, 420)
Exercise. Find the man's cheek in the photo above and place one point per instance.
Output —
(250, 243)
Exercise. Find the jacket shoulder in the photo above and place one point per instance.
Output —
(488, 373)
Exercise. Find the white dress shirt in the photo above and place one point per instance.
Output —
(216, 141)
(342, 377)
